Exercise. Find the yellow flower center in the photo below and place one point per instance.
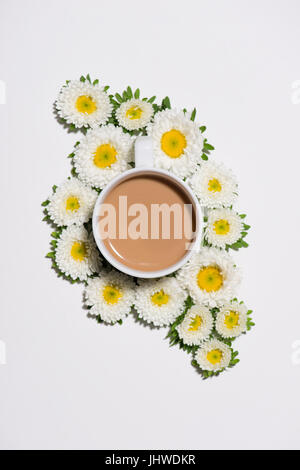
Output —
(85, 104)
(214, 185)
(134, 113)
(231, 320)
(214, 356)
(195, 323)
(79, 251)
(221, 227)
(105, 156)
(112, 295)
(160, 298)
(72, 204)
(210, 279)
(173, 143)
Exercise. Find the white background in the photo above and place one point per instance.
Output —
(70, 383)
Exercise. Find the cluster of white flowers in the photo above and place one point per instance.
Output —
(72, 203)
(134, 114)
(177, 142)
(224, 227)
(159, 301)
(213, 355)
(196, 326)
(76, 254)
(210, 277)
(102, 155)
(111, 295)
(83, 104)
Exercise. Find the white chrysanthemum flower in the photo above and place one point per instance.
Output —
(224, 227)
(72, 203)
(177, 142)
(210, 276)
(232, 320)
(196, 326)
(134, 114)
(214, 185)
(103, 154)
(213, 356)
(159, 301)
(76, 254)
(111, 295)
(83, 104)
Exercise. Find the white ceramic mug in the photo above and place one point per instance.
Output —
(144, 164)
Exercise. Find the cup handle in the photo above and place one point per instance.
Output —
(144, 152)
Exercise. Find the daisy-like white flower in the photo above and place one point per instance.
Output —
(134, 114)
(177, 142)
(72, 203)
(224, 227)
(76, 254)
(196, 326)
(210, 276)
(159, 301)
(111, 295)
(214, 185)
(232, 320)
(213, 355)
(103, 154)
(83, 104)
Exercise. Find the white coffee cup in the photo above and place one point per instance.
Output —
(144, 164)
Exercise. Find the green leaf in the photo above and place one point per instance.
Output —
(129, 92)
(193, 115)
(243, 216)
(95, 82)
(88, 78)
(45, 203)
(208, 146)
(106, 88)
(50, 255)
(119, 97)
(202, 129)
(82, 78)
(166, 102)
(114, 102)
(152, 99)
(137, 93)
(204, 157)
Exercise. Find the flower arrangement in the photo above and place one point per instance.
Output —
(198, 303)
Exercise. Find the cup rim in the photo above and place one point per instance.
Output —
(107, 255)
